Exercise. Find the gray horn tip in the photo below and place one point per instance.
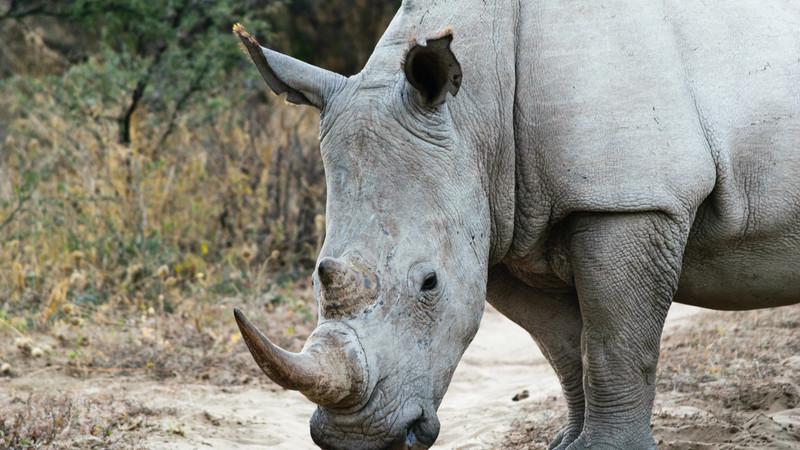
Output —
(241, 319)
(245, 327)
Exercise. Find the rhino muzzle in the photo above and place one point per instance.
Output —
(331, 370)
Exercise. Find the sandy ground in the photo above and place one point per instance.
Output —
(477, 413)
(727, 380)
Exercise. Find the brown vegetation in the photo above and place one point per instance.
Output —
(146, 175)
(149, 184)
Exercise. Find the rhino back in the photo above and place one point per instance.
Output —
(745, 76)
(677, 106)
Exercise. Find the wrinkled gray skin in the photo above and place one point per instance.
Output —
(600, 160)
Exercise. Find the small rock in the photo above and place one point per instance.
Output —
(5, 369)
(37, 352)
(793, 362)
(685, 412)
(24, 345)
(211, 419)
(177, 430)
(521, 396)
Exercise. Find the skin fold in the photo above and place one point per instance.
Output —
(580, 165)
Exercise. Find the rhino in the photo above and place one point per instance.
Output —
(579, 165)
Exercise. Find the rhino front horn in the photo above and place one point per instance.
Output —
(329, 371)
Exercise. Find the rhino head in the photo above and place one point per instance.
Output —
(401, 278)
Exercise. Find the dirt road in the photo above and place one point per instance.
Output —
(476, 413)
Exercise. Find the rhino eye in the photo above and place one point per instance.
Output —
(430, 282)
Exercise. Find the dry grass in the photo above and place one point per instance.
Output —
(87, 221)
(196, 341)
(100, 237)
(39, 422)
(126, 258)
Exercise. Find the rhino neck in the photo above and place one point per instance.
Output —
(485, 41)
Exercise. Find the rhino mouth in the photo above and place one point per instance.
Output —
(419, 433)
(417, 436)
(407, 426)
(421, 424)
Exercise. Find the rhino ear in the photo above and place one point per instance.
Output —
(433, 70)
(303, 83)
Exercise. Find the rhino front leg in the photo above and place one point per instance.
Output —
(553, 319)
(626, 269)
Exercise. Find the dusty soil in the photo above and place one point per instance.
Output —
(120, 376)
(229, 407)
(727, 380)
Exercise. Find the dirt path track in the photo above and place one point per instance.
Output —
(477, 411)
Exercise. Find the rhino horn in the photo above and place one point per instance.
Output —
(329, 371)
(345, 288)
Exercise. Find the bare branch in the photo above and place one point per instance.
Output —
(138, 92)
(193, 88)
(21, 201)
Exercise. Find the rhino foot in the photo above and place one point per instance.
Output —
(582, 443)
(565, 436)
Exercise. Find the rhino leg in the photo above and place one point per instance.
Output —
(554, 321)
(626, 269)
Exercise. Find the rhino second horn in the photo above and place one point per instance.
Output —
(346, 288)
(333, 274)
(330, 370)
